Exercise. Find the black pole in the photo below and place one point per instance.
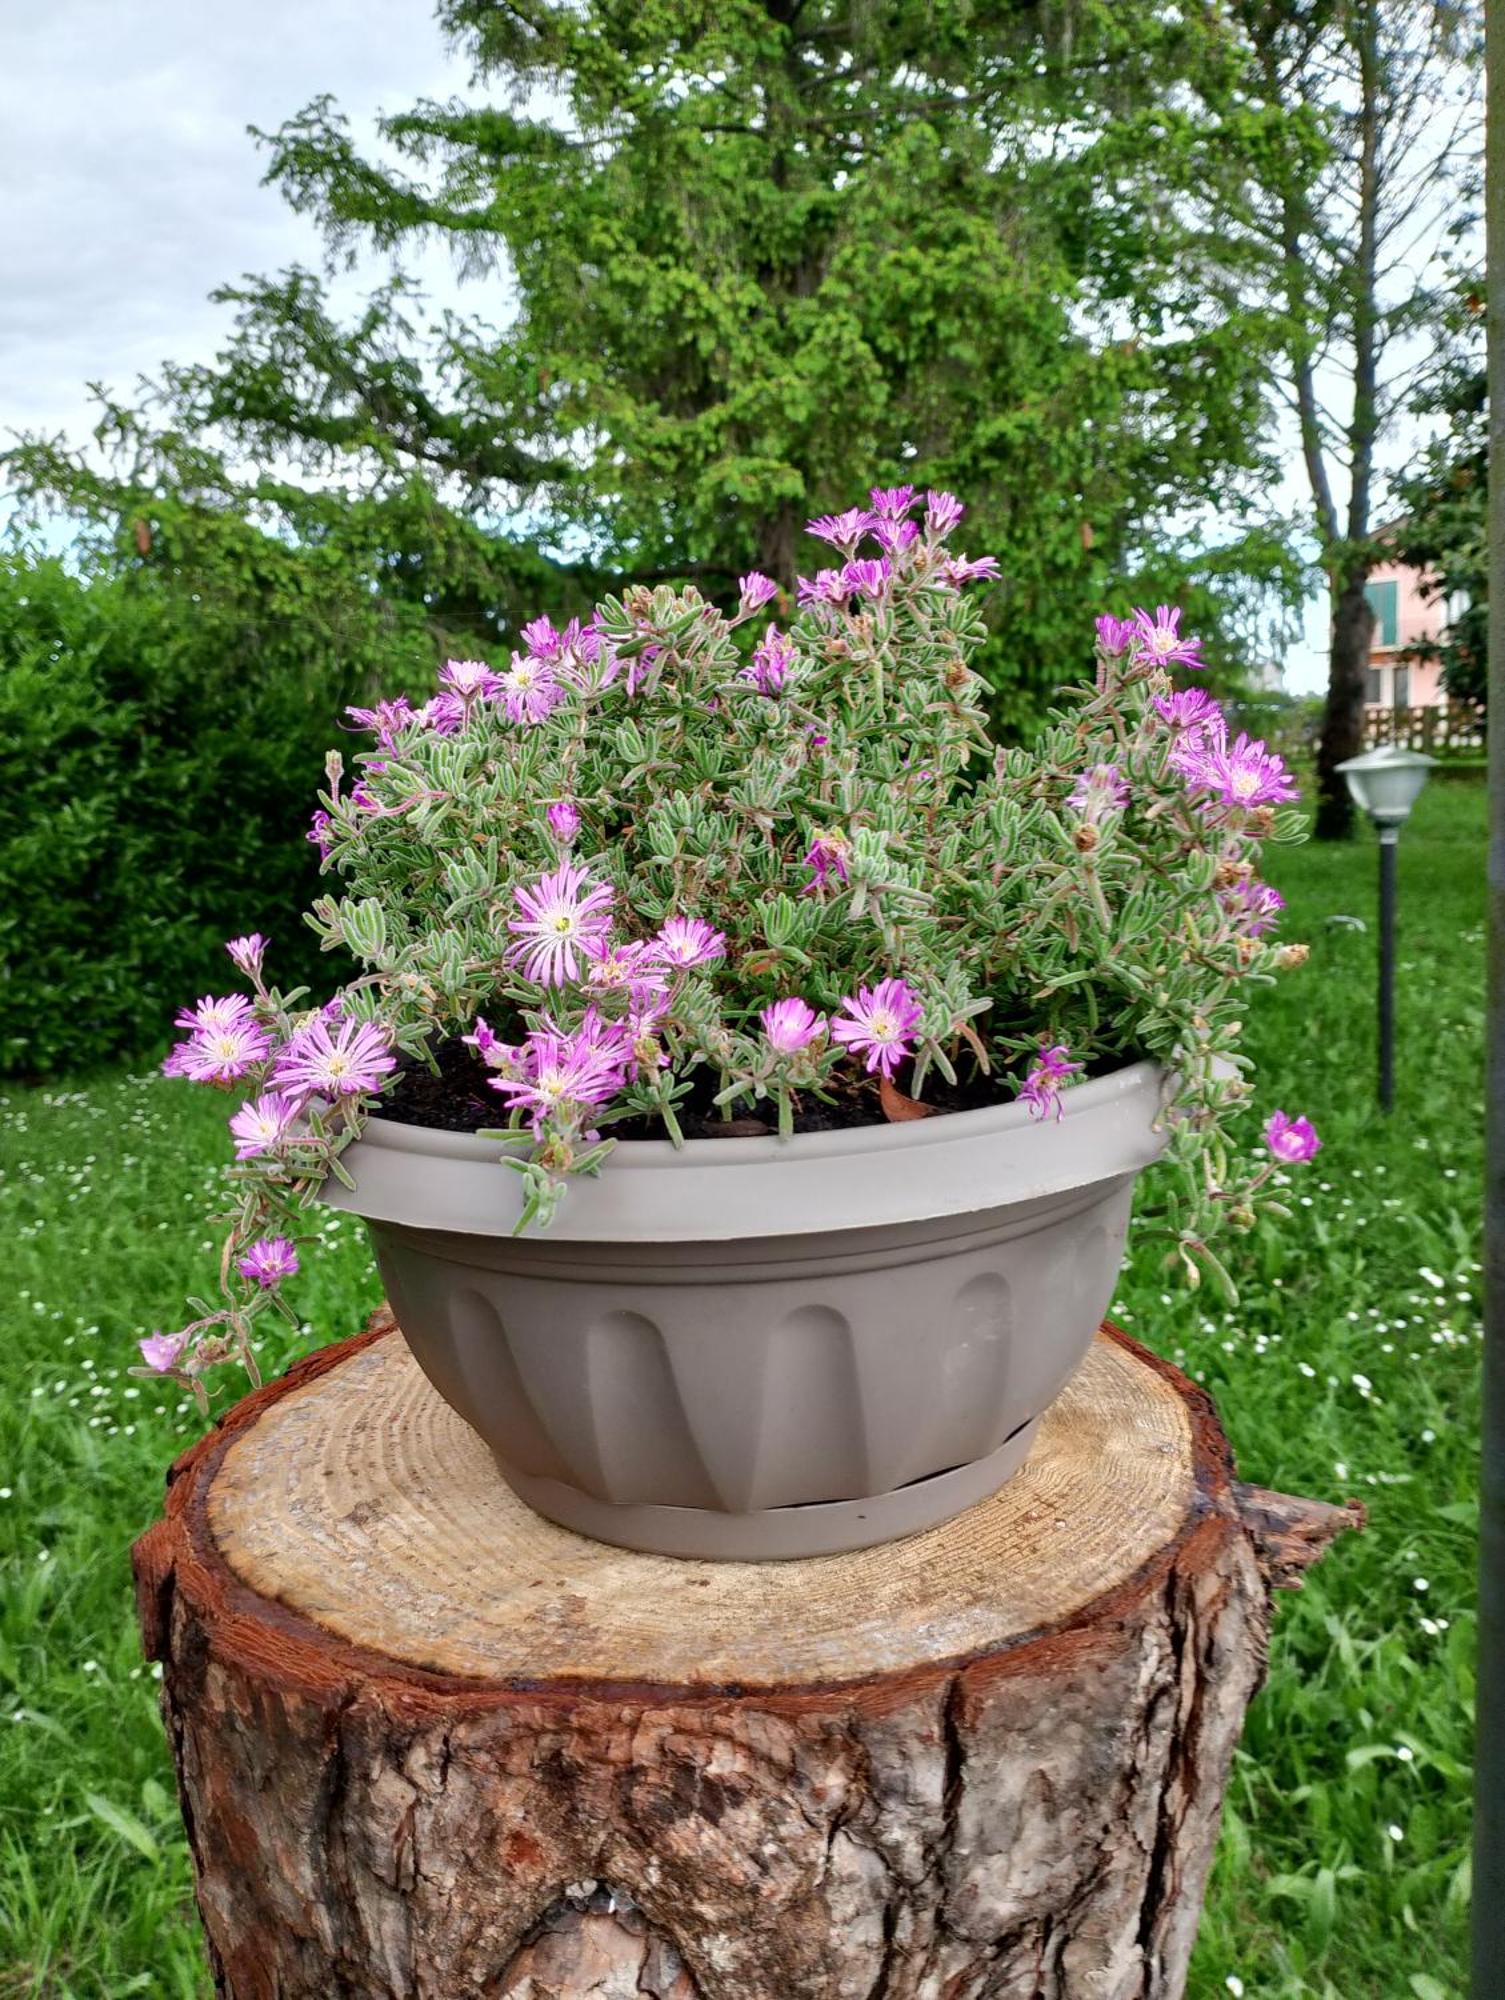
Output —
(1389, 839)
(1489, 1759)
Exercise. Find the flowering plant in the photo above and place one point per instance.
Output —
(668, 862)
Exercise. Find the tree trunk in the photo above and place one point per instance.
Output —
(1343, 717)
(431, 1746)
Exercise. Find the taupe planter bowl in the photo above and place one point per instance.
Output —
(754, 1348)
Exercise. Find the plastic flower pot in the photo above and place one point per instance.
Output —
(752, 1348)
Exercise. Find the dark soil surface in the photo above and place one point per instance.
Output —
(458, 1100)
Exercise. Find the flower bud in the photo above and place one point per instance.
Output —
(1291, 955)
(1085, 838)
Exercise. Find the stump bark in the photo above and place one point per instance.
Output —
(431, 1746)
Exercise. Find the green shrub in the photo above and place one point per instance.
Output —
(134, 706)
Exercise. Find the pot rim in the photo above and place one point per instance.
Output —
(398, 1135)
(731, 1190)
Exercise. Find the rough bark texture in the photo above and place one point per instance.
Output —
(1035, 1818)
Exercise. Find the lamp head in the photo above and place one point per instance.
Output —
(1385, 783)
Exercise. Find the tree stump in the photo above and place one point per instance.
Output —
(430, 1745)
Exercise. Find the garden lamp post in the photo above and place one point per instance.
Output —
(1386, 783)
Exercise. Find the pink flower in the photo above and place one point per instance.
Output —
(210, 1013)
(884, 1021)
(1041, 1089)
(891, 503)
(825, 857)
(891, 536)
(869, 576)
(1101, 790)
(389, 719)
(262, 1123)
(162, 1351)
(1252, 907)
(530, 689)
(942, 512)
(772, 658)
(1158, 640)
(318, 832)
(1243, 773)
(754, 590)
(1114, 635)
(687, 941)
(246, 953)
(472, 680)
(541, 639)
(827, 586)
(969, 569)
(1189, 711)
(845, 531)
(559, 913)
(622, 968)
(562, 1075)
(269, 1262)
(357, 1056)
(225, 1047)
(444, 713)
(1293, 1141)
(791, 1025)
(564, 820)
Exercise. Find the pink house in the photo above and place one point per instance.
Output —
(1402, 617)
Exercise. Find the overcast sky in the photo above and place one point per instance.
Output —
(130, 187)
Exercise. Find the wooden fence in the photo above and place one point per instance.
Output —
(1452, 729)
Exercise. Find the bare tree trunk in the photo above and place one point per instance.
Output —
(1343, 717)
(431, 1747)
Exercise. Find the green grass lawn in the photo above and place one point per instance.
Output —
(1349, 1367)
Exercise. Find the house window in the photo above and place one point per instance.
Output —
(1382, 601)
(1373, 687)
(1403, 687)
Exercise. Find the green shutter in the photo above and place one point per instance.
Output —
(1382, 601)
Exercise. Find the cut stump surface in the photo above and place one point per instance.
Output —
(430, 1744)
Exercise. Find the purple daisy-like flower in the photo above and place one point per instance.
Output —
(843, 531)
(884, 1020)
(1101, 790)
(388, 719)
(562, 1075)
(262, 1123)
(870, 576)
(220, 1054)
(334, 1058)
(1242, 773)
(559, 912)
(472, 680)
(1159, 639)
(891, 503)
(1189, 711)
(541, 639)
(530, 689)
(162, 1351)
(228, 1011)
(564, 820)
(629, 967)
(827, 586)
(1041, 1089)
(1293, 1141)
(268, 1262)
(754, 590)
(1253, 907)
(319, 832)
(825, 857)
(772, 658)
(791, 1025)
(942, 512)
(444, 714)
(969, 569)
(1115, 635)
(246, 953)
(892, 536)
(687, 941)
